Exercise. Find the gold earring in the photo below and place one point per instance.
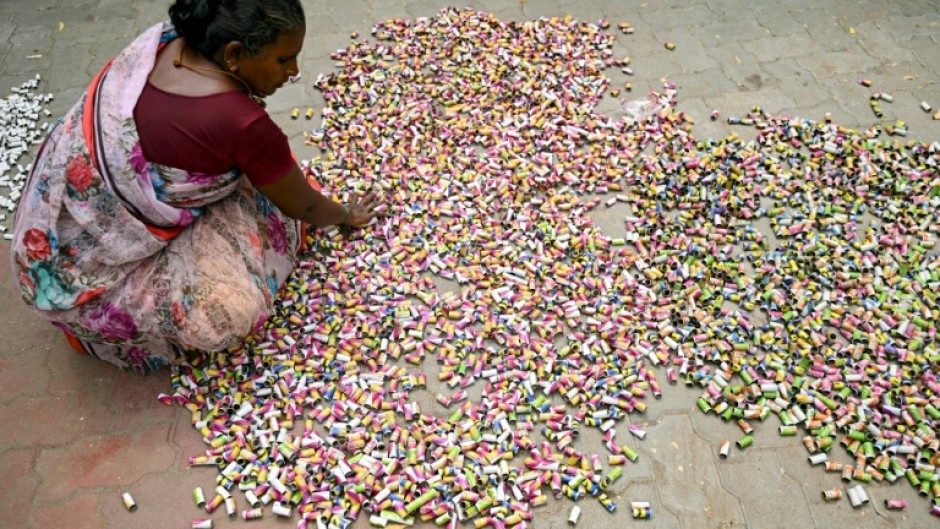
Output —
(234, 68)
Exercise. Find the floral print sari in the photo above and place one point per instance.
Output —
(136, 261)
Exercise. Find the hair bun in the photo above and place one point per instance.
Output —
(191, 18)
(209, 25)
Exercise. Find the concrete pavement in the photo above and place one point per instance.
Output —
(77, 433)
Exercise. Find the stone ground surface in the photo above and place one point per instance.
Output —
(77, 433)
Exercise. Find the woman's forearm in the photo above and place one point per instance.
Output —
(323, 211)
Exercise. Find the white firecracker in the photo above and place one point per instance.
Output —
(20, 134)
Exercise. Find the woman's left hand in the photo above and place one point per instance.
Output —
(364, 209)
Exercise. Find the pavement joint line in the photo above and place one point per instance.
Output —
(802, 489)
(656, 420)
(667, 507)
(35, 474)
(738, 500)
(876, 506)
(65, 444)
(695, 429)
(71, 496)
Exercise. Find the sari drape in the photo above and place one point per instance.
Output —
(136, 260)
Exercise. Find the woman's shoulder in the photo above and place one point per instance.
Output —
(173, 75)
(228, 95)
(232, 110)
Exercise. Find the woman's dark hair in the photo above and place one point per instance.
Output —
(208, 25)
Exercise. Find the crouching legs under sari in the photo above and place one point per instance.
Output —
(208, 289)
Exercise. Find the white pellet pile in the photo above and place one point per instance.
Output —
(21, 130)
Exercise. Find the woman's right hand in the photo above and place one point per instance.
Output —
(364, 209)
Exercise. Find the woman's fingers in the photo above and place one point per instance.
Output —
(369, 202)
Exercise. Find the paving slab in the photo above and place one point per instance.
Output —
(24, 375)
(725, 10)
(684, 467)
(32, 334)
(905, 28)
(188, 443)
(772, 100)
(49, 15)
(732, 33)
(48, 420)
(881, 45)
(104, 460)
(116, 10)
(689, 53)
(353, 14)
(779, 22)
(760, 475)
(796, 81)
(426, 8)
(148, 14)
(158, 495)
(741, 67)
(545, 8)
(829, 32)
(711, 82)
(640, 490)
(663, 21)
(78, 512)
(774, 48)
(71, 62)
(20, 484)
(133, 403)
